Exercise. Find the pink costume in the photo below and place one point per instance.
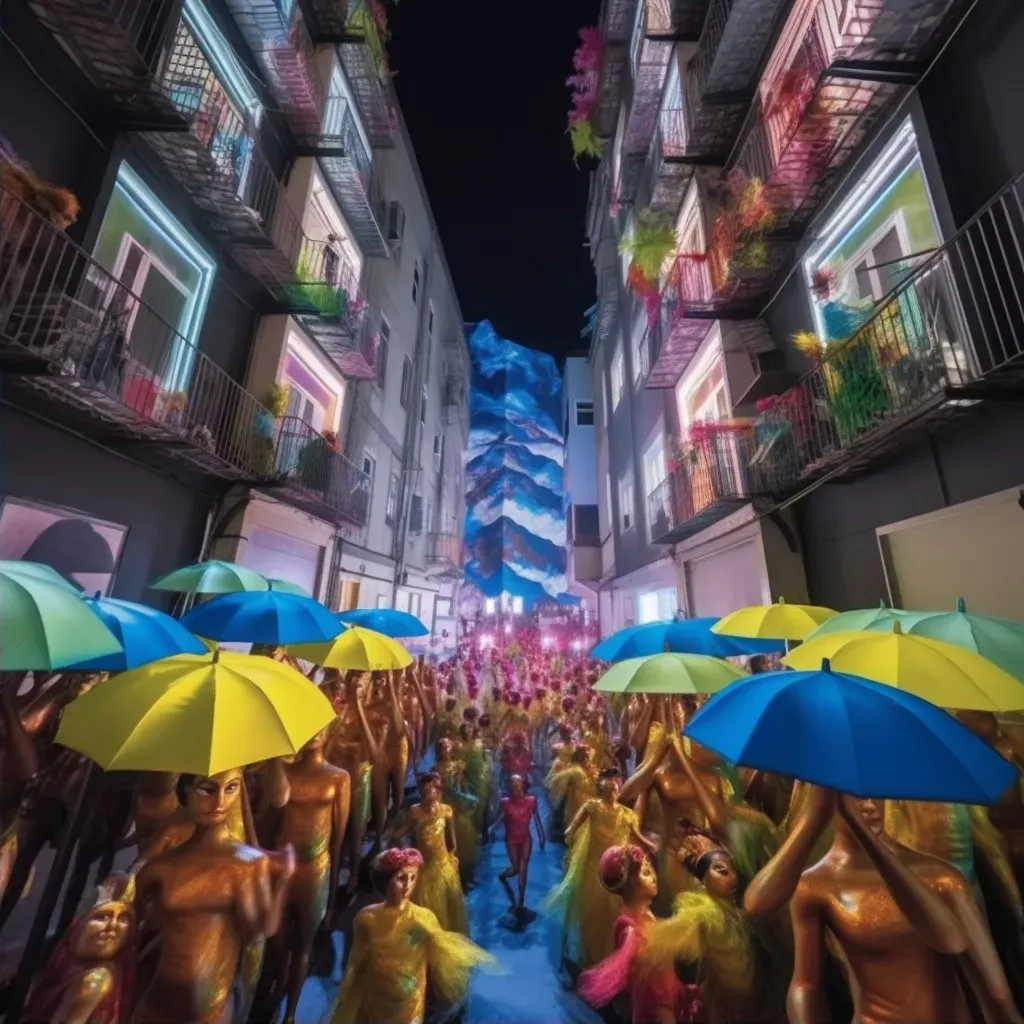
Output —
(647, 995)
(518, 815)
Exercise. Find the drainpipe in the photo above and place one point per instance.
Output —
(413, 440)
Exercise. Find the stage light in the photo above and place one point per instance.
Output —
(577, 645)
(508, 627)
(545, 641)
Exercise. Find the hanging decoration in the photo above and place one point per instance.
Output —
(738, 233)
(586, 63)
(649, 245)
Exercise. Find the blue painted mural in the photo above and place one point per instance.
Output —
(515, 519)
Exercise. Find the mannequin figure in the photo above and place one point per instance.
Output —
(518, 811)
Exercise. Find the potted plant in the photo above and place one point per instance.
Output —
(315, 461)
(274, 406)
(170, 409)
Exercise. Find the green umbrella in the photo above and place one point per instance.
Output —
(45, 626)
(38, 571)
(212, 577)
(669, 673)
(857, 621)
(286, 587)
(999, 640)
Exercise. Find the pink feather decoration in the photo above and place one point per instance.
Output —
(602, 983)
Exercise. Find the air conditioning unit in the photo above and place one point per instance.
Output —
(396, 223)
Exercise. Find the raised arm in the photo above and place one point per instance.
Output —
(340, 809)
(773, 886)
(577, 823)
(364, 722)
(395, 709)
(643, 778)
(805, 1002)
(713, 809)
(21, 755)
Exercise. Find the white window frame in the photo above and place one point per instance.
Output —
(391, 502)
(627, 504)
(618, 377)
(585, 403)
(490, 605)
(639, 335)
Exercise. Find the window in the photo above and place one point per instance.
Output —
(406, 382)
(416, 514)
(584, 414)
(517, 605)
(382, 601)
(150, 253)
(490, 605)
(655, 469)
(430, 517)
(618, 378)
(416, 283)
(391, 509)
(382, 353)
(369, 465)
(303, 406)
(869, 246)
(438, 451)
(657, 605)
(430, 321)
(627, 511)
(703, 399)
(639, 338)
(423, 406)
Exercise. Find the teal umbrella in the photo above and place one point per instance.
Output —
(37, 570)
(857, 621)
(669, 673)
(212, 577)
(999, 640)
(286, 587)
(45, 626)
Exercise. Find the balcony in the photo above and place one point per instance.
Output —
(276, 34)
(616, 24)
(220, 165)
(444, 555)
(78, 338)
(306, 470)
(948, 336)
(607, 324)
(453, 404)
(348, 168)
(327, 19)
(713, 478)
(117, 44)
(816, 106)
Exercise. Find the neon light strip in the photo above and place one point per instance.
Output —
(175, 235)
(222, 57)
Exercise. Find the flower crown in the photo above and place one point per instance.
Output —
(390, 861)
(695, 844)
(617, 864)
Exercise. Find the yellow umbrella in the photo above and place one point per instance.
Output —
(781, 621)
(946, 675)
(357, 648)
(196, 713)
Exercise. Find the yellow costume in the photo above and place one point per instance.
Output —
(393, 951)
(587, 906)
(438, 888)
(571, 788)
(464, 804)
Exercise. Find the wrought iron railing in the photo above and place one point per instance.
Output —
(949, 333)
(712, 475)
(444, 549)
(310, 469)
(327, 283)
(340, 132)
(77, 332)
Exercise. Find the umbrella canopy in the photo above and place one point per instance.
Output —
(669, 673)
(944, 674)
(145, 635)
(357, 648)
(39, 571)
(850, 734)
(999, 640)
(269, 617)
(779, 621)
(212, 577)
(680, 636)
(46, 625)
(286, 587)
(199, 714)
(881, 617)
(388, 621)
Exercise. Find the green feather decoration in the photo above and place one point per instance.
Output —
(649, 244)
(585, 141)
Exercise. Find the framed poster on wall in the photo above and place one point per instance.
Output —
(83, 549)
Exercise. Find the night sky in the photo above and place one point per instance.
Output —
(482, 88)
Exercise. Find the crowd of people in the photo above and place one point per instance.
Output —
(693, 890)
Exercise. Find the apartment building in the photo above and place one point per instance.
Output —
(197, 363)
(579, 477)
(819, 403)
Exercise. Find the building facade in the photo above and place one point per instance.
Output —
(245, 334)
(580, 481)
(817, 402)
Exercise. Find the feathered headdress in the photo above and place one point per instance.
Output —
(695, 845)
(618, 863)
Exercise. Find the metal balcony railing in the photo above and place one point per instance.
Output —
(712, 478)
(309, 472)
(219, 163)
(616, 23)
(363, 53)
(348, 167)
(444, 550)
(276, 33)
(72, 331)
(950, 334)
(607, 323)
(327, 19)
(118, 44)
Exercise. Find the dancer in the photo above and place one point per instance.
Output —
(572, 788)
(454, 793)
(432, 824)
(397, 947)
(518, 811)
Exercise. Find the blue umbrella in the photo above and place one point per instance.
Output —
(145, 633)
(263, 617)
(679, 636)
(388, 621)
(852, 735)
